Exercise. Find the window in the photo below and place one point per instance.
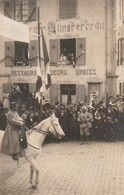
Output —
(20, 10)
(67, 9)
(121, 88)
(68, 51)
(21, 54)
(121, 51)
(68, 94)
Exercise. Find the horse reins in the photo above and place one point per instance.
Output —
(54, 129)
(43, 132)
(40, 131)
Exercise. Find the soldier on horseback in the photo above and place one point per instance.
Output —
(11, 143)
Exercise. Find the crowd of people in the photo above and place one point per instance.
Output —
(68, 59)
(79, 122)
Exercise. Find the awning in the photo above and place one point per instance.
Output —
(14, 30)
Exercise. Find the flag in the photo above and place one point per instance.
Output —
(46, 63)
(43, 71)
(39, 79)
(39, 92)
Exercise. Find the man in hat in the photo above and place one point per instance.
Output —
(109, 130)
(64, 122)
(10, 142)
(83, 118)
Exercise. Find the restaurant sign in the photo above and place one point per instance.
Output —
(60, 72)
(74, 27)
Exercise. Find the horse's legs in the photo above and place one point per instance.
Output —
(37, 175)
(31, 174)
(34, 166)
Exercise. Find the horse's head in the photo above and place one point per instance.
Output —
(55, 127)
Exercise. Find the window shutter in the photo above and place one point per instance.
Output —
(53, 94)
(8, 8)
(122, 50)
(32, 87)
(53, 51)
(33, 52)
(9, 53)
(72, 8)
(81, 51)
(80, 92)
(122, 10)
(63, 9)
(32, 10)
(119, 52)
(7, 86)
(67, 9)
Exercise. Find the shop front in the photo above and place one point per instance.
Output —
(21, 80)
(71, 85)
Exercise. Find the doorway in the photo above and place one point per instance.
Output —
(68, 94)
(94, 92)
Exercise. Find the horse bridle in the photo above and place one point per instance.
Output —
(46, 132)
(54, 128)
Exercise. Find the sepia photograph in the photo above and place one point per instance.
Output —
(61, 97)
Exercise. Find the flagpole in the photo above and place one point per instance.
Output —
(39, 41)
(38, 25)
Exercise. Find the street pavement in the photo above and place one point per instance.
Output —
(68, 168)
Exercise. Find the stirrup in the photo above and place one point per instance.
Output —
(15, 157)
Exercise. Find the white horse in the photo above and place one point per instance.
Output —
(35, 138)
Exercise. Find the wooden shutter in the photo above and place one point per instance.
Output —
(122, 51)
(32, 10)
(54, 93)
(53, 51)
(7, 86)
(80, 92)
(63, 9)
(122, 10)
(72, 8)
(81, 51)
(8, 8)
(119, 52)
(32, 87)
(9, 53)
(33, 52)
(67, 9)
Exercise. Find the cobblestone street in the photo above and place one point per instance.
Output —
(70, 169)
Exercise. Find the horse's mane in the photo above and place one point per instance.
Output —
(42, 124)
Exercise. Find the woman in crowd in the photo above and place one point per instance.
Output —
(6, 99)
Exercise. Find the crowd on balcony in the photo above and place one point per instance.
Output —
(68, 59)
(80, 122)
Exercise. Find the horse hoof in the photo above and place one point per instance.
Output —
(34, 187)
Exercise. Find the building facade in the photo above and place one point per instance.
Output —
(82, 40)
(119, 49)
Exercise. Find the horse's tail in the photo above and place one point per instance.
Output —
(1, 137)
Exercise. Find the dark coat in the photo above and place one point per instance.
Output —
(63, 120)
(10, 142)
(29, 123)
(3, 121)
